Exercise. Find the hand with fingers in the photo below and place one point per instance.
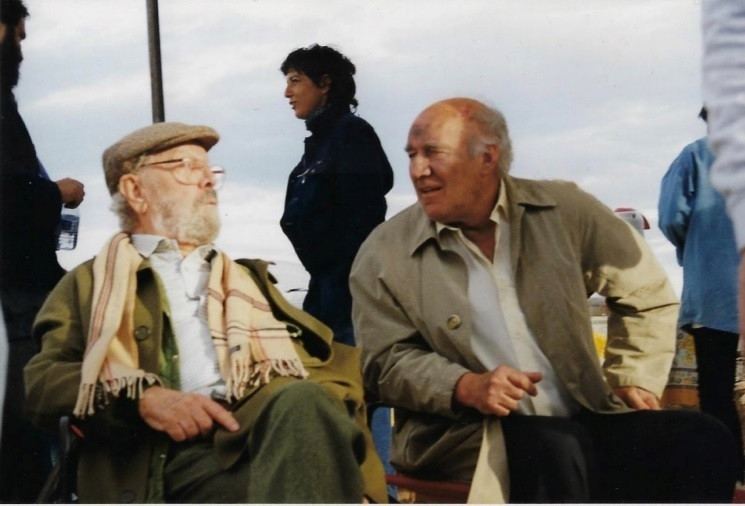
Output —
(496, 392)
(637, 398)
(183, 415)
(72, 192)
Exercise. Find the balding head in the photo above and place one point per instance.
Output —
(463, 107)
(455, 162)
(484, 126)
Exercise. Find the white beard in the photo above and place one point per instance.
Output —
(195, 224)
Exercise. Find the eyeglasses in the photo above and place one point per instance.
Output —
(190, 171)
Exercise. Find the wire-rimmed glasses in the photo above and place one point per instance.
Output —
(190, 171)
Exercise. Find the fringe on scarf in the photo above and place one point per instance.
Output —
(244, 374)
(133, 386)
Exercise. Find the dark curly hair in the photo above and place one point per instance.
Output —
(12, 11)
(317, 61)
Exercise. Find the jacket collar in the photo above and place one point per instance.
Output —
(325, 119)
(521, 194)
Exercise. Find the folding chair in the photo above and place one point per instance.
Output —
(59, 487)
(417, 490)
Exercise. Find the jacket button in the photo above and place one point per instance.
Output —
(454, 322)
(142, 333)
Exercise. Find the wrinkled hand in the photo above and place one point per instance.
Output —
(182, 415)
(637, 398)
(496, 392)
(72, 192)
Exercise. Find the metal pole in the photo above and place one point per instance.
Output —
(156, 74)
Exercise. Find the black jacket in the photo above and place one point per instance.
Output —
(29, 209)
(335, 197)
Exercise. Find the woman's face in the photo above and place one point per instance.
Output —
(305, 97)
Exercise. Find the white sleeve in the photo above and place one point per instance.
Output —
(723, 25)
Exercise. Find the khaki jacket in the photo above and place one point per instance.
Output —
(121, 457)
(412, 315)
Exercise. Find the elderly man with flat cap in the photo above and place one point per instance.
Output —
(471, 310)
(191, 377)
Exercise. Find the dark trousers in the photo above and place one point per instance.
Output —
(716, 352)
(329, 300)
(643, 456)
(25, 452)
(303, 448)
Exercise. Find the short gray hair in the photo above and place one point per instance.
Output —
(491, 128)
(128, 218)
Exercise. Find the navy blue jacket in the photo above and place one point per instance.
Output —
(335, 197)
(30, 211)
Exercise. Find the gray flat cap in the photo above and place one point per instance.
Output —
(152, 139)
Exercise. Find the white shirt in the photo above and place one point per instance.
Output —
(500, 334)
(185, 282)
(723, 23)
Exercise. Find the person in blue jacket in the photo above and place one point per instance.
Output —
(693, 217)
(336, 194)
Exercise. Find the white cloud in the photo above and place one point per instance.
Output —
(119, 90)
(604, 93)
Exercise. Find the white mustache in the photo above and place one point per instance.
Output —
(209, 194)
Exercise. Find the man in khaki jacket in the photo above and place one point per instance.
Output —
(471, 306)
(190, 375)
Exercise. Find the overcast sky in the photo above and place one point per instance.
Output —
(603, 93)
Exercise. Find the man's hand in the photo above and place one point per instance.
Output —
(181, 415)
(637, 398)
(72, 192)
(496, 392)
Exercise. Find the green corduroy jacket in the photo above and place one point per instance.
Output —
(121, 458)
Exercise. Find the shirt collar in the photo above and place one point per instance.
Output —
(499, 214)
(519, 193)
(148, 244)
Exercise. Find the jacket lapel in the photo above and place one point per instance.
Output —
(520, 198)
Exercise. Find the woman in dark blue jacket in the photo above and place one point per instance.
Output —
(336, 194)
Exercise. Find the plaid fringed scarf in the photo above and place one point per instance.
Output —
(251, 345)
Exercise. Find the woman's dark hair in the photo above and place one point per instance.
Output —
(317, 61)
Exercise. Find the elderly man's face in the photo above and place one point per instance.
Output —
(185, 212)
(449, 183)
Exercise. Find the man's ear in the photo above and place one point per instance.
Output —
(490, 157)
(3, 31)
(130, 187)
